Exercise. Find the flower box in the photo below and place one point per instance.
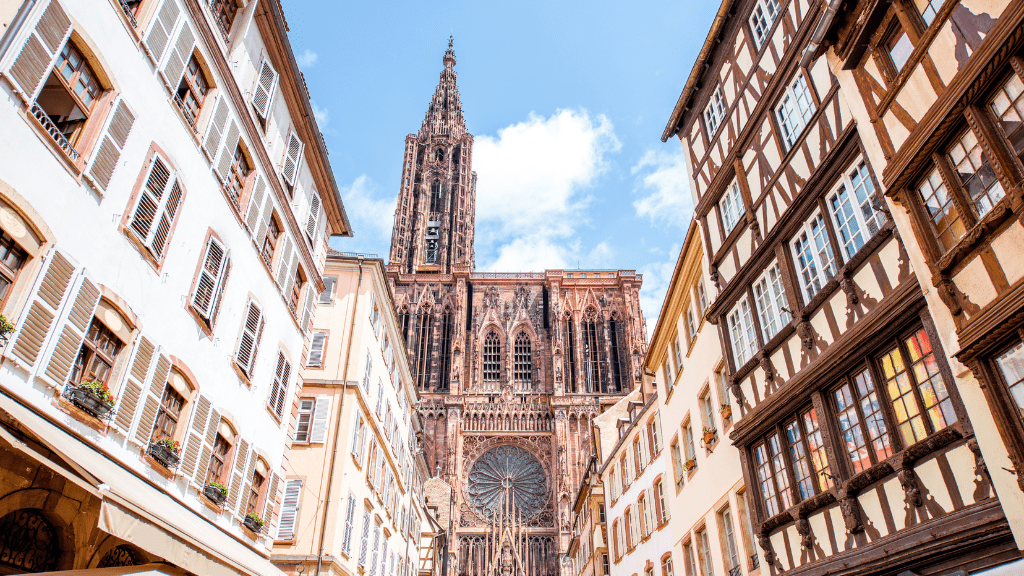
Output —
(166, 455)
(216, 493)
(709, 437)
(691, 464)
(89, 401)
(726, 411)
(253, 522)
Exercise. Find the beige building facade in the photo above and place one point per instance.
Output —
(353, 499)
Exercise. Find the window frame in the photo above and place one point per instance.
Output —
(768, 18)
(771, 301)
(742, 332)
(731, 207)
(714, 113)
(817, 268)
(791, 128)
(854, 214)
(308, 413)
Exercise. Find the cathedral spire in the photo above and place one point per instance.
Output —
(444, 114)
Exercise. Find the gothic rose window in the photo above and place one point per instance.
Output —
(507, 474)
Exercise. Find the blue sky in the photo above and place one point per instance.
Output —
(566, 102)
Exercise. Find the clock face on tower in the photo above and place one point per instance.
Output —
(507, 473)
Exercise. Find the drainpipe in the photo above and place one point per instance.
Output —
(819, 32)
(337, 421)
(12, 29)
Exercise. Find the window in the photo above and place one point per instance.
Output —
(601, 513)
(654, 435)
(156, 207)
(613, 482)
(316, 350)
(364, 539)
(666, 566)
(945, 218)
(633, 526)
(254, 497)
(852, 210)
(238, 172)
(772, 477)
(639, 462)
(296, 291)
(659, 495)
(794, 110)
(714, 113)
(704, 549)
(861, 423)
(691, 558)
(707, 411)
(68, 98)
(898, 47)
(279, 388)
(224, 12)
(217, 470)
(919, 384)
(741, 333)
(627, 475)
(813, 256)
(1008, 106)
(249, 343)
(290, 510)
(761, 19)
(192, 91)
(669, 376)
(605, 568)
(770, 295)
(524, 359)
(731, 207)
(304, 419)
(977, 177)
(213, 271)
(646, 518)
(691, 324)
(677, 351)
(492, 357)
(1011, 366)
(327, 296)
(97, 355)
(617, 535)
(732, 555)
(677, 462)
(168, 414)
(12, 258)
(807, 455)
(270, 240)
(930, 10)
(702, 298)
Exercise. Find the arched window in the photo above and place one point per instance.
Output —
(123, 555)
(619, 366)
(257, 485)
(591, 354)
(424, 341)
(28, 542)
(523, 358)
(218, 469)
(570, 354)
(447, 334)
(70, 94)
(492, 357)
(435, 197)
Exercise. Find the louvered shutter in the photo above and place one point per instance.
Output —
(270, 504)
(289, 509)
(279, 388)
(227, 151)
(263, 93)
(181, 51)
(307, 308)
(284, 261)
(350, 517)
(321, 412)
(364, 539)
(40, 50)
(246, 485)
(211, 278)
(105, 162)
(316, 350)
(157, 207)
(46, 303)
(248, 344)
(289, 278)
(265, 215)
(252, 217)
(131, 392)
(75, 318)
(203, 466)
(328, 294)
(241, 459)
(313, 218)
(196, 436)
(159, 35)
(154, 392)
(373, 556)
(211, 145)
(292, 157)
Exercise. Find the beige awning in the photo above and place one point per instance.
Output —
(139, 512)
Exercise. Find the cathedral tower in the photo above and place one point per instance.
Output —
(433, 229)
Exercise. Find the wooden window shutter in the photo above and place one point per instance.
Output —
(289, 278)
(154, 393)
(253, 216)
(263, 93)
(131, 392)
(307, 308)
(318, 428)
(159, 35)
(211, 279)
(246, 485)
(292, 157)
(265, 216)
(313, 219)
(227, 151)
(76, 318)
(46, 302)
(279, 388)
(157, 207)
(270, 505)
(350, 517)
(285, 248)
(40, 50)
(364, 538)
(199, 479)
(328, 294)
(248, 344)
(241, 459)
(218, 125)
(316, 350)
(178, 57)
(289, 509)
(105, 162)
(196, 435)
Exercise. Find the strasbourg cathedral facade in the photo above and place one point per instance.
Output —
(511, 367)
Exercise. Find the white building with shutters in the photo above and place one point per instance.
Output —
(353, 494)
(165, 203)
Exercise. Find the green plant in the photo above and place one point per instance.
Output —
(217, 485)
(99, 389)
(169, 443)
(255, 518)
(5, 326)
(707, 431)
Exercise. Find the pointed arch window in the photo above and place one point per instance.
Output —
(447, 333)
(492, 357)
(435, 197)
(523, 358)
(424, 335)
(570, 354)
(619, 367)
(591, 362)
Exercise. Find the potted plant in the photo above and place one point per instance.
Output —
(708, 435)
(216, 492)
(93, 397)
(726, 411)
(165, 450)
(6, 329)
(253, 522)
(691, 464)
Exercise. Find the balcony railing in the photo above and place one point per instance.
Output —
(128, 13)
(736, 571)
(185, 113)
(54, 132)
(754, 561)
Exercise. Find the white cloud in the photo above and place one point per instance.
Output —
(368, 209)
(663, 180)
(657, 276)
(307, 59)
(532, 189)
(321, 114)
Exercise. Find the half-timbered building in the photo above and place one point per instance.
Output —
(854, 434)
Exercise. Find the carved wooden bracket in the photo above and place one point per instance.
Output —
(736, 389)
(980, 468)
(713, 271)
(911, 490)
(948, 294)
(853, 517)
(803, 528)
(850, 289)
(806, 333)
(769, 370)
(766, 545)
